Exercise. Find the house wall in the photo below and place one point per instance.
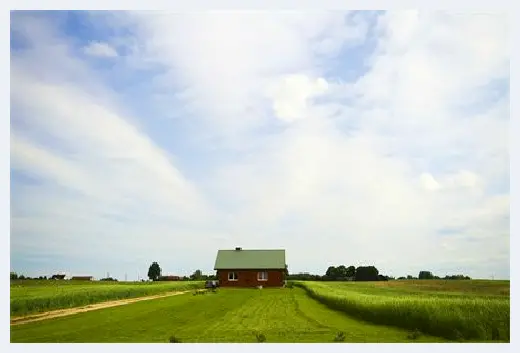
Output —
(249, 278)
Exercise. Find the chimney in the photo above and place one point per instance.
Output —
(238, 249)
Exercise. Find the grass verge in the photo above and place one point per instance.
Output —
(50, 296)
(454, 317)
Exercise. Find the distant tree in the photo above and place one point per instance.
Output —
(366, 273)
(351, 271)
(197, 275)
(382, 278)
(410, 277)
(331, 273)
(21, 277)
(14, 275)
(108, 279)
(341, 272)
(154, 271)
(457, 277)
(401, 278)
(425, 275)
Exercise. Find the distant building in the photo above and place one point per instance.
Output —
(250, 268)
(58, 276)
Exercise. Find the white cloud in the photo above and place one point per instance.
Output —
(100, 49)
(400, 168)
(291, 93)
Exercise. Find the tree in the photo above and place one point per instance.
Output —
(341, 272)
(366, 273)
(351, 271)
(425, 275)
(154, 271)
(197, 275)
(14, 275)
(331, 272)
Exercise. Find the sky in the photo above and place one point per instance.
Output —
(354, 138)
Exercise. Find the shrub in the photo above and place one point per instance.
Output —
(174, 339)
(260, 337)
(415, 334)
(340, 337)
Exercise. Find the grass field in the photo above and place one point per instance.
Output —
(33, 296)
(459, 310)
(393, 311)
(230, 315)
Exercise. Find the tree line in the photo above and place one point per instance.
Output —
(333, 273)
(155, 274)
(364, 273)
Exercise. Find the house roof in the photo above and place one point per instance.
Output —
(250, 259)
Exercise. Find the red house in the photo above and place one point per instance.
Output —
(250, 268)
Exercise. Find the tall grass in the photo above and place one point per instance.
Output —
(54, 295)
(453, 317)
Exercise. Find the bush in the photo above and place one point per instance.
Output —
(415, 334)
(260, 337)
(174, 339)
(340, 337)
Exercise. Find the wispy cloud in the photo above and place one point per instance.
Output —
(224, 129)
(100, 49)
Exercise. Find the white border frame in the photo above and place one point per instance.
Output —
(460, 5)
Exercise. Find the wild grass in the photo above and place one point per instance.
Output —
(455, 314)
(28, 297)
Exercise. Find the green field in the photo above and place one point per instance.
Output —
(28, 297)
(394, 311)
(230, 315)
(459, 310)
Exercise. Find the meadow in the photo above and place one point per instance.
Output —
(34, 296)
(457, 310)
(229, 315)
(393, 311)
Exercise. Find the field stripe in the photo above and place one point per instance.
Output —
(72, 311)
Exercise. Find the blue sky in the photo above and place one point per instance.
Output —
(363, 138)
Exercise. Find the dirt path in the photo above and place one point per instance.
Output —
(66, 312)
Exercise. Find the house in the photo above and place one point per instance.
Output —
(59, 276)
(250, 268)
(81, 278)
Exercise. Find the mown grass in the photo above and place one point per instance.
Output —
(29, 297)
(430, 308)
(229, 315)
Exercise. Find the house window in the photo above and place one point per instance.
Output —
(262, 276)
(232, 276)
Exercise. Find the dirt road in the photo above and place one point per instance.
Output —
(66, 312)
